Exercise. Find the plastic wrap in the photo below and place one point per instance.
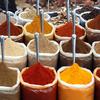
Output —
(84, 60)
(75, 92)
(39, 92)
(92, 34)
(96, 56)
(16, 61)
(11, 93)
(97, 84)
(48, 59)
(30, 36)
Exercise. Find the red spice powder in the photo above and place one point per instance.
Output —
(98, 73)
(67, 30)
(15, 31)
(95, 23)
(39, 75)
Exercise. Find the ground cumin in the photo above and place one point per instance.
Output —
(15, 30)
(97, 48)
(7, 76)
(81, 47)
(34, 26)
(75, 75)
(12, 48)
(45, 46)
(95, 23)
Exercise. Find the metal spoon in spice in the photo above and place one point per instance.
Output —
(37, 6)
(68, 10)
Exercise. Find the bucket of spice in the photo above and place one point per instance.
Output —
(97, 83)
(38, 82)
(15, 54)
(17, 32)
(93, 29)
(83, 53)
(64, 32)
(48, 52)
(96, 53)
(75, 83)
(9, 83)
(34, 26)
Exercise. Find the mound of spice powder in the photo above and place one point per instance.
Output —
(76, 75)
(12, 48)
(95, 23)
(7, 76)
(81, 47)
(38, 74)
(34, 26)
(97, 48)
(45, 46)
(66, 30)
(15, 31)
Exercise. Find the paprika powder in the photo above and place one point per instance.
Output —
(66, 30)
(15, 31)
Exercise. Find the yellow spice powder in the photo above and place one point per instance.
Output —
(75, 75)
(35, 26)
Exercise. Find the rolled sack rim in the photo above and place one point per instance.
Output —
(43, 54)
(18, 36)
(95, 71)
(78, 8)
(93, 48)
(14, 87)
(90, 29)
(45, 34)
(68, 38)
(77, 86)
(34, 86)
(16, 57)
(68, 54)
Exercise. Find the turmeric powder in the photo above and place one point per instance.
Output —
(76, 75)
(35, 26)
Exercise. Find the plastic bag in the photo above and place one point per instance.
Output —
(47, 59)
(39, 92)
(84, 60)
(30, 36)
(92, 34)
(11, 93)
(96, 56)
(16, 62)
(75, 92)
(97, 84)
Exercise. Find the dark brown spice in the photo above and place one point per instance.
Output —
(98, 73)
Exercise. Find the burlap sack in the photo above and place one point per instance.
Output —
(11, 93)
(39, 92)
(60, 38)
(30, 36)
(16, 62)
(97, 84)
(92, 34)
(48, 59)
(96, 56)
(75, 92)
(84, 60)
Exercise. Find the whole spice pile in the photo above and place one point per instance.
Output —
(15, 31)
(34, 26)
(38, 74)
(8, 77)
(95, 23)
(81, 47)
(75, 75)
(12, 48)
(84, 9)
(92, 14)
(97, 48)
(67, 30)
(45, 46)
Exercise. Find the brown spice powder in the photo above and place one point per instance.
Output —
(97, 48)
